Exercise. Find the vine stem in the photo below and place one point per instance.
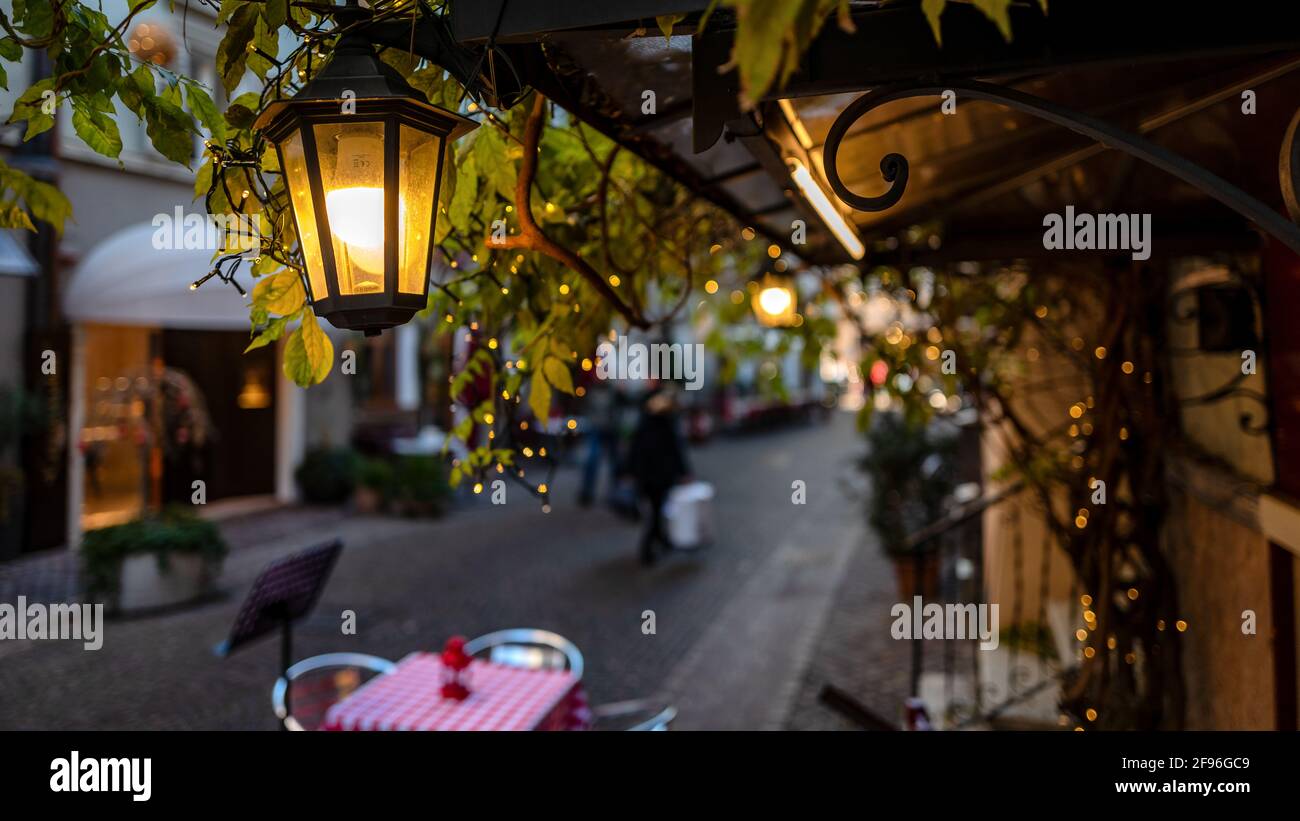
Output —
(532, 238)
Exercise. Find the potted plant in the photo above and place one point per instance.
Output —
(420, 486)
(911, 477)
(156, 561)
(327, 476)
(374, 485)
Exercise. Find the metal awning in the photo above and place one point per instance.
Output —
(983, 172)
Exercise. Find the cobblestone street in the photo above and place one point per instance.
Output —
(412, 583)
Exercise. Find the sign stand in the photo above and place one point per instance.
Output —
(284, 592)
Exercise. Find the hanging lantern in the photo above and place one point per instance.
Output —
(776, 301)
(362, 156)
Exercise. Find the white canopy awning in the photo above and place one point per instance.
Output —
(126, 281)
(14, 259)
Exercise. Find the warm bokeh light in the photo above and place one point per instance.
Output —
(774, 301)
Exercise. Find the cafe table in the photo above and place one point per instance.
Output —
(500, 698)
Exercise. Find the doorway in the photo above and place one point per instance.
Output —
(236, 457)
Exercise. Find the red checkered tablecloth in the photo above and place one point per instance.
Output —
(501, 698)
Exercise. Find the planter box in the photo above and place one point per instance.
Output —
(145, 587)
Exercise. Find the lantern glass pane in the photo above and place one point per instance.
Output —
(418, 174)
(295, 169)
(351, 157)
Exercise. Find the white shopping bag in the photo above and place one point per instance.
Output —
(689, 514)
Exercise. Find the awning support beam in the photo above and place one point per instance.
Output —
(894, 167)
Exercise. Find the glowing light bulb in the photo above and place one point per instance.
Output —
(356, 217)
(355, 208)
(774, 301)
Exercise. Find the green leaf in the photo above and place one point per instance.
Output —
(539, 397)
(243, 110)
(228, 8)
(666, 23)
(10, 50)
(205, 110)
(270, 160)
(170, 130)
(489, 150)
(48, 204)
(442, 224)
(44, 202)
(134, 87)
(933, 9)
(764, 32)
(463, 428)
(264, 48)
(203, 179)
(280, 294)
(557, 373)
(263, 265)
(466, 197)
(13, 216)
(309, 354)
(37, 18)
(172, 93)
(276, 13)
(96, 129)
(32, 106)
(999, 12)
(232, 54)
(271, 333)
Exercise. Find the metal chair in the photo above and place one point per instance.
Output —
(528, 648)
(637, 715)
(318, 683)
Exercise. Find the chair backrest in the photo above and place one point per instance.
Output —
(525, 647)
(658, 723)
(637, 715)
(311, 686)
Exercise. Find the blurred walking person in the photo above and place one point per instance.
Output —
(602, 410)
(657, 461)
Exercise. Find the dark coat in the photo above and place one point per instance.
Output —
(656, 458)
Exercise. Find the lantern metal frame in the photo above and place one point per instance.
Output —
(373, 93)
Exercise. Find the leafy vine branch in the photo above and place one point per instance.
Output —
(532, 238)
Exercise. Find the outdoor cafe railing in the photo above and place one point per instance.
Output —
(949, 561)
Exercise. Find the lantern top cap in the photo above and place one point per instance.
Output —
(356, 69)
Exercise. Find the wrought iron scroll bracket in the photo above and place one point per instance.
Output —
(894, 167)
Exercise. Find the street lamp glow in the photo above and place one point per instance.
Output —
(817, 198)
(774, 301)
